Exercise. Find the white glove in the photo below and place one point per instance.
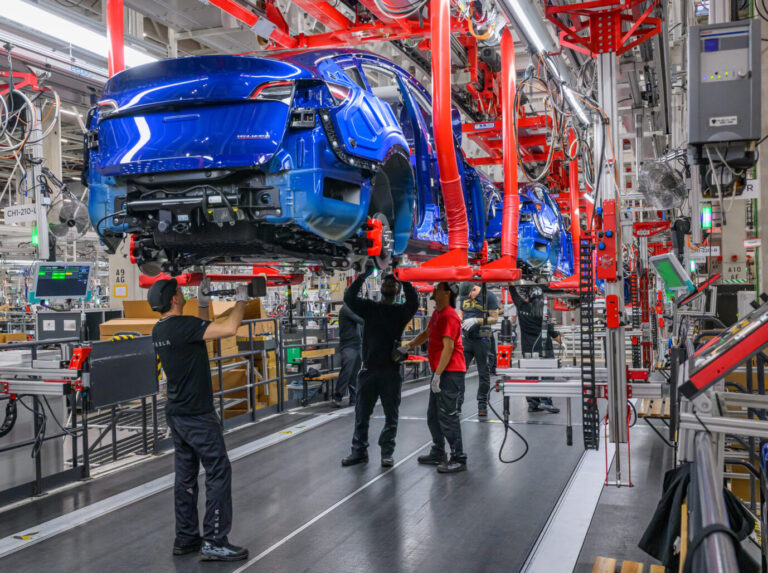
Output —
(241, 293)
(468, 323)
(435, 384)
(203, 300)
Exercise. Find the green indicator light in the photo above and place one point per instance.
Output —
(706, 217)
(35, 240)
(693, 266)
(711, 77)
(726, 73)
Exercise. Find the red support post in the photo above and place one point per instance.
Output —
(574, 196)
(115, 37)
(453, 265)
(450, 181)
(505, 267)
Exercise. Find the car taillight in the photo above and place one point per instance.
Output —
(107, 107)
(338, 91)
(281, 91)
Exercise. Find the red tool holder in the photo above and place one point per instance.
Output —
(604, 26)
(79, 356)
(606, 246)
(612, 319)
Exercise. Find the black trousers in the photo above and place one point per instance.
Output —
(199, 439)
(479, 349)
(384, 384)
(444, 415)
(351, 360)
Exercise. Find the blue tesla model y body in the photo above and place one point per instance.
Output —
(235, 158)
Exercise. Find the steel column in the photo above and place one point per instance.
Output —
(615, 352)
(115, 36)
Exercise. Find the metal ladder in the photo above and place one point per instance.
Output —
(590, 413)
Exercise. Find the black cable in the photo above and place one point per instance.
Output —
(703, 425)
(10, 418)
(98, 223)
(41, 432)
(507, 428)
(67, 431)
(634, 410)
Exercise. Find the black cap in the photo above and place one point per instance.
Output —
(161, 293)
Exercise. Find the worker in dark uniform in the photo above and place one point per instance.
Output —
(351, 358)
(446, 359)
(196, 429)
(477, 314)
(380, 376)
(530, 317)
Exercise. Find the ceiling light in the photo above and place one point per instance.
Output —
(38, 19)
(70, 112)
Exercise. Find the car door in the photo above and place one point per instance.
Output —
(365, 125)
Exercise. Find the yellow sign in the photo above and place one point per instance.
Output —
(335, 287)
(120, 291)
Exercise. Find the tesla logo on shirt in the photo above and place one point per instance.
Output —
(162, 343)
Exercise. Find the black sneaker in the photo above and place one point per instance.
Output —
(482, 410)
(550, 408)
(355, 458)
(451, 467)
(182, 547)
(223, 552)
(336, 403)
(387, 461)
(433, 459)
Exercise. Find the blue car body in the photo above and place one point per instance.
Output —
(234, 158)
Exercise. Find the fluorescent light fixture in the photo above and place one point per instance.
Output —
(522, 19)
(48, 23)
(70, 112)
(575, 104)
(65, 140)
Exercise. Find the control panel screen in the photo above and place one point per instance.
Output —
(58, 281)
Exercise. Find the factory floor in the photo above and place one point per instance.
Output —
(297, 509)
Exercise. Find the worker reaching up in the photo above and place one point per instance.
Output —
(196, 429)
(380, 378)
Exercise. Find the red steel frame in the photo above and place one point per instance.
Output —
(599, 25)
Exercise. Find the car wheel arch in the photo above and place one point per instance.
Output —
(393, 192)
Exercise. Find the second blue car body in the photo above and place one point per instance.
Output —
(234, 158)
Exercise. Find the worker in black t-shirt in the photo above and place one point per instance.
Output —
(477, 314)
(533, 337)
(380, 376)
(351, 359)
(196, 429)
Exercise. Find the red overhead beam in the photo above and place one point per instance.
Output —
(324, 13)
(250, 19)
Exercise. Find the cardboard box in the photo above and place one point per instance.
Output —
(142, 326)
(234, 378)
(141, 309)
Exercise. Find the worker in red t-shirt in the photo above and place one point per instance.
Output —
(446, 359)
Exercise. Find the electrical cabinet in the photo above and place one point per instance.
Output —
(724, 82)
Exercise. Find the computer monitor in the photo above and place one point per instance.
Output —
(722, 354)
(60, 281)
(672, 272)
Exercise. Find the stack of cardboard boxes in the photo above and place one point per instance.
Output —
(139, 318)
